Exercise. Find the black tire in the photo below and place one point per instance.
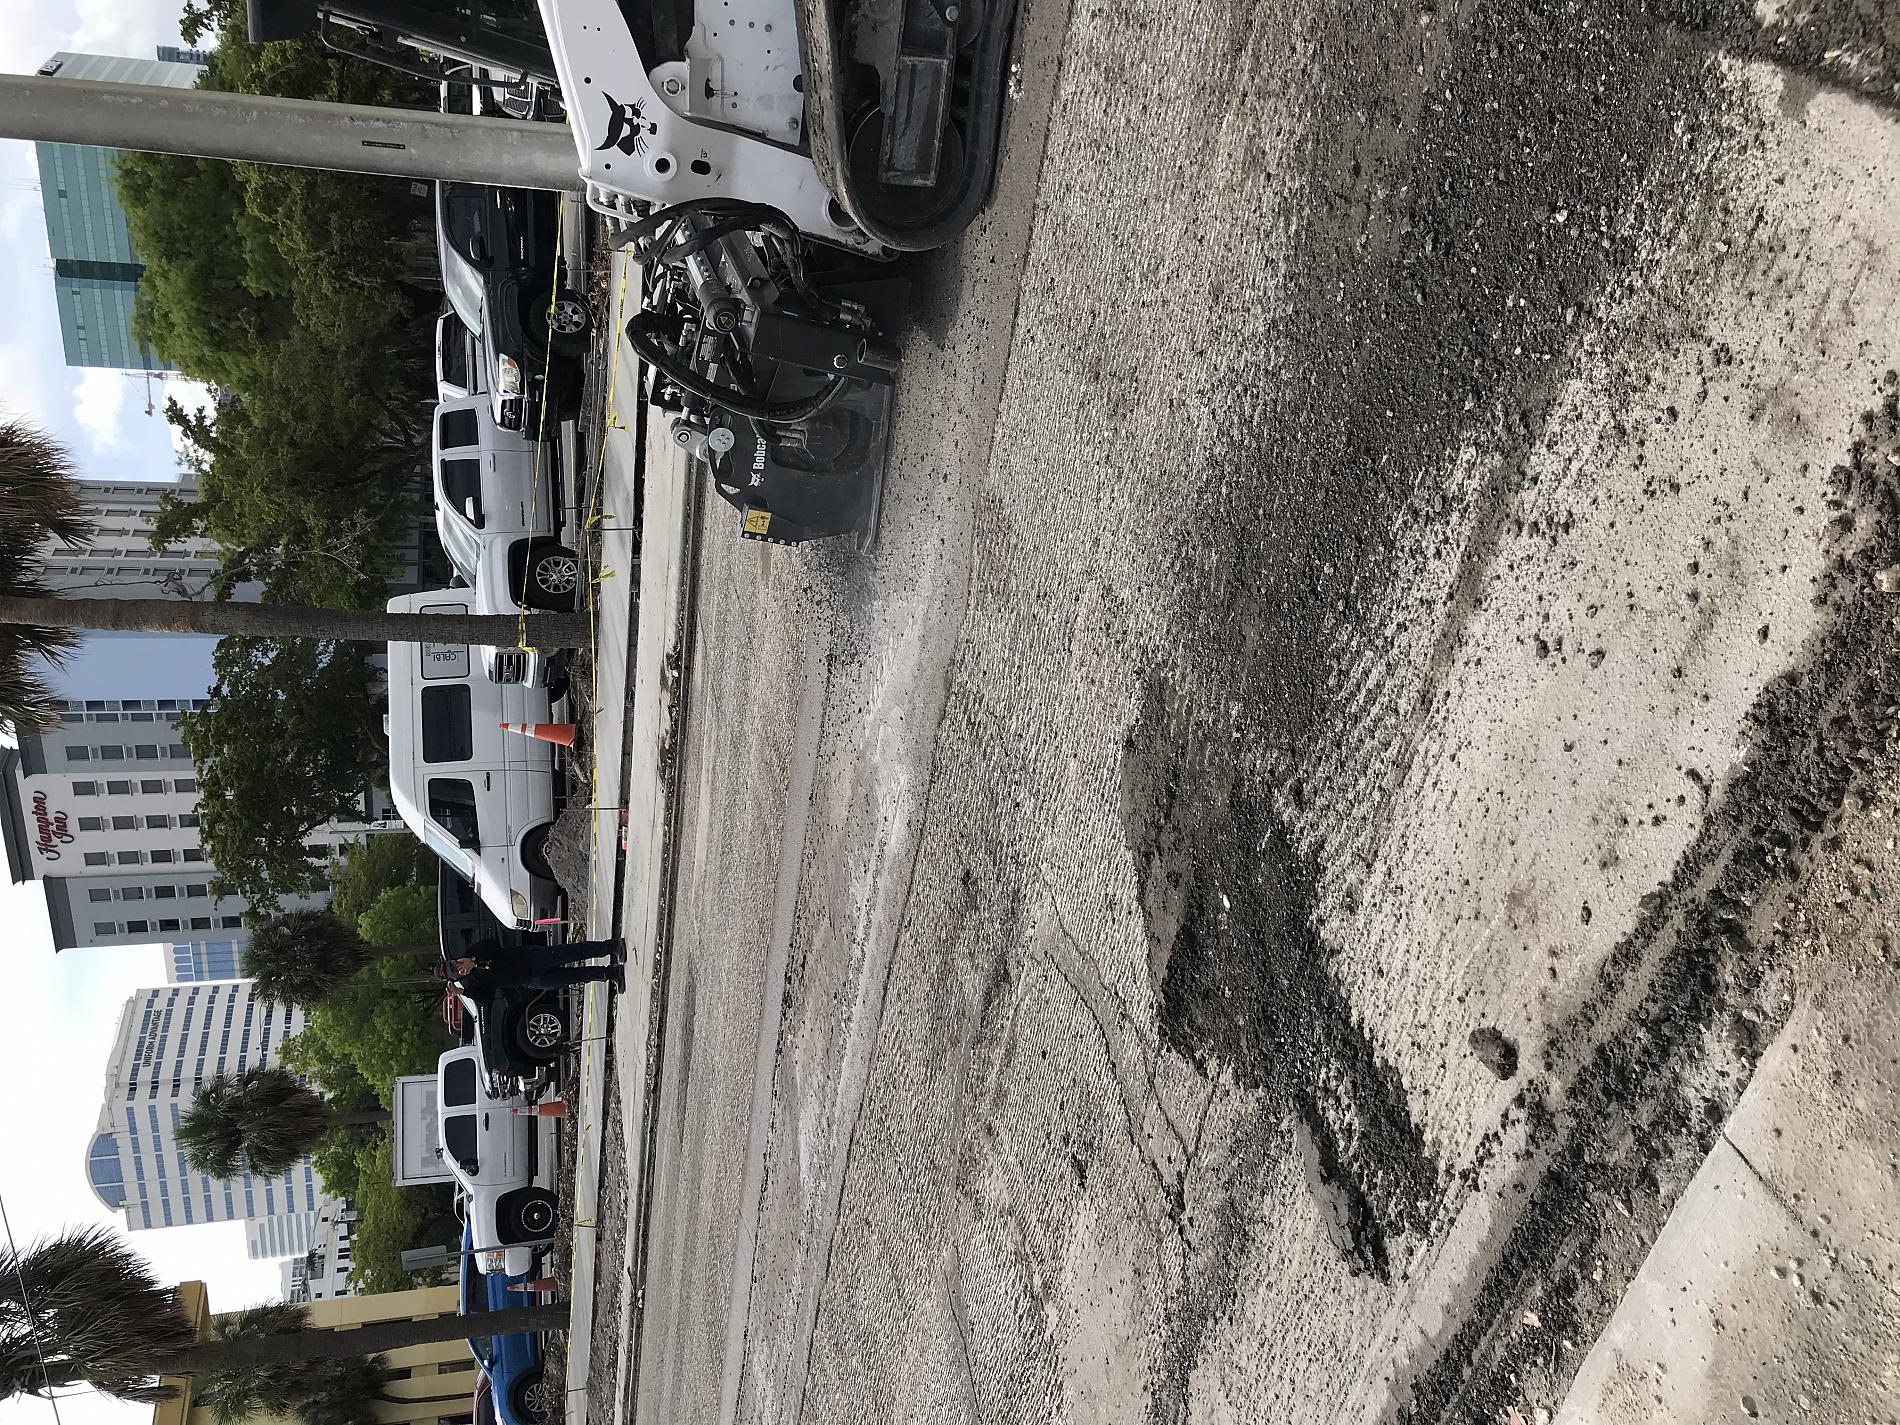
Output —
(534, 852)
(530, 1216)
(568, 327)
(531, 1399)
(541, 1033)
(552, 579)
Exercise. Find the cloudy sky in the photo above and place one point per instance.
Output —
(58, 1012)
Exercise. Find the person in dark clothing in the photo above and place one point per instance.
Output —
(488, 966)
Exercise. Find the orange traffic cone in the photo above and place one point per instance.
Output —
(538, 1284)
(553, 1108)
(559, 733)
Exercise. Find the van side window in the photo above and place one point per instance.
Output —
(462, 486)
(448, 728)
(452, 807)
(455, 429)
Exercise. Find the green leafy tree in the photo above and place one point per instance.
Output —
(391, 1220)
(262, 1118)
(290, 737)
(402, 916)
(371, 866)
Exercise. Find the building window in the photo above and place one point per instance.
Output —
(201, 922)
(157, 823)
(105, 927)
(178, 752)
(118, 789)
(152, 786)
(99, 895)
(165, 893)
(185, 784)
(98, 858)
(162, 857)
(230, 922)
(125, 823)
(137, 927)
(132, 893)
(146, 751)
(189, 819)
(112, 754)
(168, 925)
(79, 754)
(92, 823)
(85, 789)
(138, 717)
(197, 890)
(193, 854)
(129, 858)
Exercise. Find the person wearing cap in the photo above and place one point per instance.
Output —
(487, 966)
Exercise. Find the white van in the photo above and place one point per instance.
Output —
(482, 799)
(498, 515)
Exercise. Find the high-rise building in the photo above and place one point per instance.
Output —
(103, 811)
(286, 1234)
(170, 1040)
(192, 961)
(95, 271)
(178, 54)
(118, 562)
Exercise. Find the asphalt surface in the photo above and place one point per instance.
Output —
(1254, 900)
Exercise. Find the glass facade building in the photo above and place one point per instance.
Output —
(95, 271)
(195, 960)
(170, 1040)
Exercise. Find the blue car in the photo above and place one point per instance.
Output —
(515, 1387)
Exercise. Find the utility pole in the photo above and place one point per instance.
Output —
(297, 133)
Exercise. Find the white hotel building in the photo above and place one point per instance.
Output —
(103, 811)
(169, 1041)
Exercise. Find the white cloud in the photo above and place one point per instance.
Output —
(99, 407)
(24, 393)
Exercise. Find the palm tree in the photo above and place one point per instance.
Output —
(83, 1307)
(41, 502)
(236, 1393)
(304, 957)
(262, 1119)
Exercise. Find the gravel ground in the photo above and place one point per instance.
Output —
(1254, 901)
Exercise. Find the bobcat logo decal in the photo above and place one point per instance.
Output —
(627, 126)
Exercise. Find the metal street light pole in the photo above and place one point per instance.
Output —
(297, 133)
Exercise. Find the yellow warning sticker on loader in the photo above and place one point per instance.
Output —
(758, 522)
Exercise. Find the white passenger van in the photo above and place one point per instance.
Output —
(482, 799)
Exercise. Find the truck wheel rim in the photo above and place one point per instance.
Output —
(537, 1217)
(544, 1029)
(570, 316)
(557, 573)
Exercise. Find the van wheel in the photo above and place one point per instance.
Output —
(553, 580)
(534, 853)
